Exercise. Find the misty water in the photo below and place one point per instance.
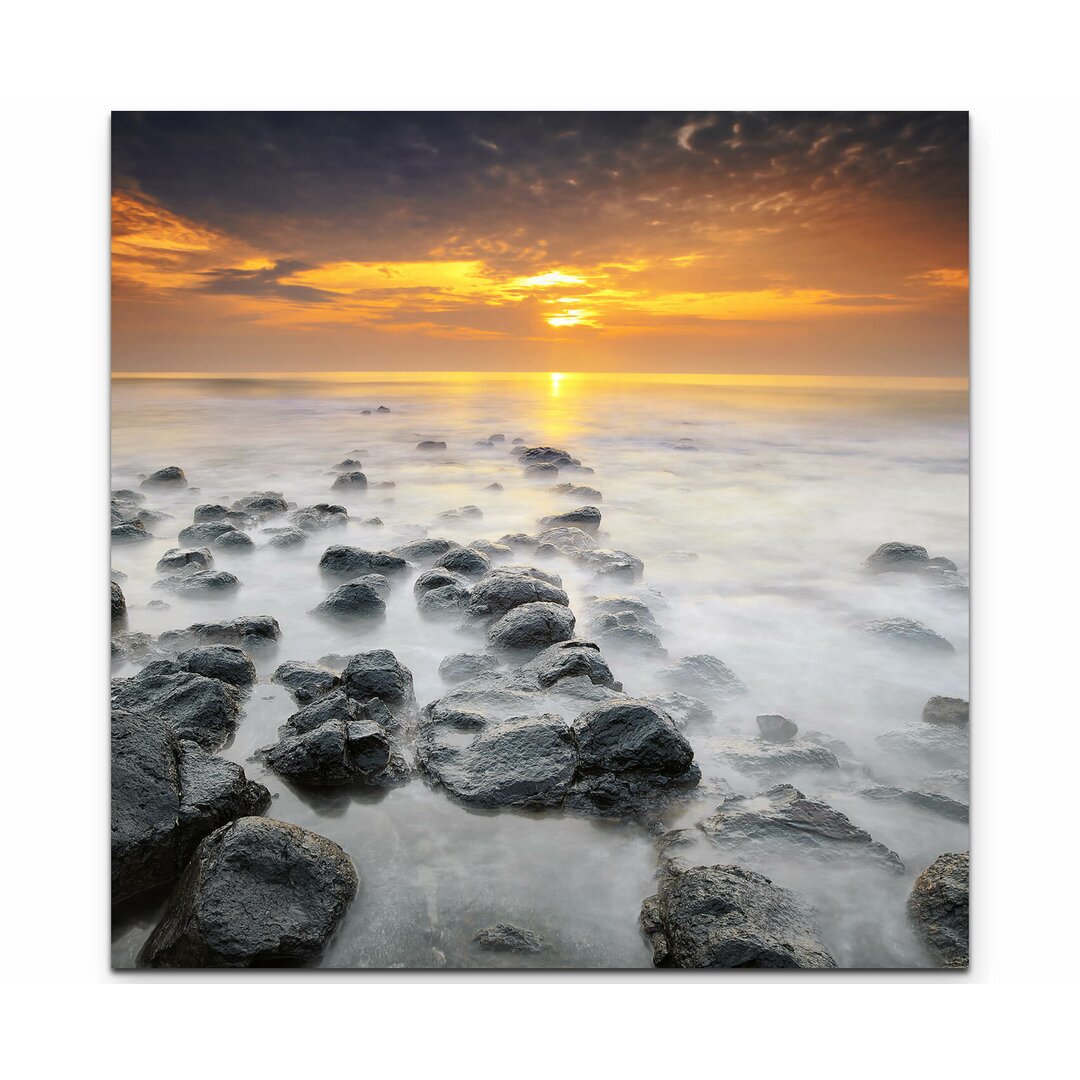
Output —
(789, 489)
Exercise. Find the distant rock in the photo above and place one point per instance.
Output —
(382, 409)
(462, 513)
(907, 633)
(318, 517)
(493, 486)
(774, 728)
(704, 676)
(577, 491)
(172, 476)
(200, 583)
(350, 480)
(287, 538)
(586, 518)
(547, 455)
(938, 906)
(178, 560)
(129, 532)
(262, 504)
(118, 605)
(233, 541)
(946, 710)
(204, 533)
(504, 937)
(431, 444)
(540, 470)
(610, 563)
(897, 556)
(425, 550)
(256, 893)
(728, 917)
(348, 465)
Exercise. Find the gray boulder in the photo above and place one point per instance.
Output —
(225, 662)
(704, 676)
(355, 600)
(908, 634)
(172, 476)
(505, 937)
(304, 681)
(256, 893)
(235, 541)
(204, 532)
(571, 659)
(431, 444)
(261, 504)
(250, 632)
(506, 588)
(577, 491)
(425, 550)
(378, 673)
(461, 667)
(200, 583)
(179, 560)
(775, 728)
(350, 480)
(946, 710)
(444, 602)
(129, 532)
(530, 628)
(319, 517)
(586, 518)
(728, 917)
(287, 538)
(117, 604)
(938, 907)
(465, 561)
(342, 561)
(897, 556)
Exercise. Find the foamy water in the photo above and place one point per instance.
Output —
(788, 491)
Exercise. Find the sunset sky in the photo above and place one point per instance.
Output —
(799, 243)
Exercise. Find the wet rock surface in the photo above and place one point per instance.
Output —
(938, 907)
(305, 681)
(257, 892)
(528, 629)
(728, 917)
(342, 561)
(355, 600)
(505, 937)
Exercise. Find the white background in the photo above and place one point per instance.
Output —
(66, 66)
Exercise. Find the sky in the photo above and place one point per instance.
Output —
(759, 243)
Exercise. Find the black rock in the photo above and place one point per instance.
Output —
(460, 667)
(305, 682)
(897, 556)
(129, 532)
(257, 893)
(166, 796)
(547, 455)
(348, 465)
(586, 518)
(261, 504)
(571, 659)
(342, 561)
(492, 549)
(425, 550)
(204, 532)
(235, 540)
(196, 707)
(493, 486)
(907, 633)
(435, 578)
(250, 632)
(507, 588)
(530, 628)
(225, 662)
(210, 512)
(577, 491)
(444, 601)
(775, 728)
(728, 917)
(171, 476)
(783, 821)
(431, 444)
(946, 710)
(378, 673)
(382, 409)
(178, 560)
(201, 582)
(630, 735)
(610, 563)
(351, 480)
(938, 906)
(354, 600)
(541, 470)
(504, 937)
(465, 561)
(117, 604)
(287, 538)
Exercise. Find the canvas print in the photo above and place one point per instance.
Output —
(539, 540)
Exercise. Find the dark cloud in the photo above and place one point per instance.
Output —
(266, 282)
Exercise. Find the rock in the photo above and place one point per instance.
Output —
(118, 576)
(549, 455)
(728, 917)
(256, 893)
(504, 937)
(129, 532)
(172, 476)
(507, 588)
(930, 801)
(540, 471)
(460, 667)
(897, 556)
(907, 633)
(940, 745)
(781, 822)
(224, 662)
(354, 600)
(530, 628)
(374, 521)
(350, 480)
(435, 578)
(287, 538)
(319, 517)
(630, 735)
(946, 710)
(444, 602)
(610, 563)
(526, 761)
(178, 560)
(618, 606)
(462, 513)
(118, 605)
(166, 796)
(704, 676)
(465, 561)
(204, 532)
(956, 783)
(126, 645)
(261, 504)
(519, 540)
(127, 495)
(340, 560)
(685, 711)
(431, 444)
(493, 486)
(566, 539)
(348, 465)
(577, 491)
(938, 906)
(305, 682)
(200, 582)
(761, 759)
(250, 632)
(235, 540)
(378, 673)
(586, 518)
(571, 659)
(425, 550)
(776, 728)
(210, 512)
(197, 708)
(335, 742)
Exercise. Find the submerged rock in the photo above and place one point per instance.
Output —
(129, 532)
(541, 470)
(287, 538)
(939, 745)
(930, 801)
(586, 518)
(178, 560)
(304, 681)
(261, 504)
(946, 710)
(200, 582)
(117, 604)
(465, 561)
(728, 917)
(235, 540)
(351, 480)
(319, 517)
(897, 556)
(444, 601)
(431, 444)
(378, 673)
(783, 821)
(342, 561)
(507, 588)
(425, 550)
(204, 533)
(549, 455)
(528, 629)
(577, 491)
(460, 667)
(250, 632)
(758, 758)
(504, 937)
(704, 676)
(462, 513)
(775, 728)
(610, 563)
(172, 476)
(907, 633)
(938, 906)
(166, 796)
(256, 893)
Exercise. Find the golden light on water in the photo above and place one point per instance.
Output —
(556, 379)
